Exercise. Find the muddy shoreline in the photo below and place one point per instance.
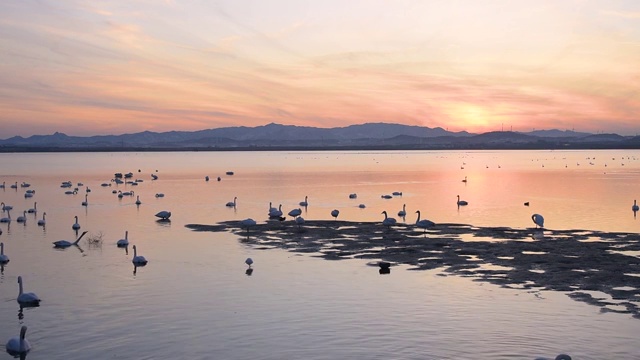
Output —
(577, 262)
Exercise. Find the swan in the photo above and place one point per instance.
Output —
(6, 219)
(538, 220)
(6, 207)
(464, 180)
(86, 200)
(164, 215)
(206, 178)
(423, 224)
(27, 299)
(403, 212)
(462, 202)
(397, 193)
(249, 261)
(232, 203)
(154, 177)
(362, 206)
(14, 186)
(300, 221)
(353, 196)
(28, 194)
(386, 196)
(43, 222)
(277, 213)
(304, 203)
(123, 242)
(247, 223)
(18, 345)
(22, 218)
(635, 206)
(138, 202)
(3, 258)
(159, 195)
(138, 260)
(2, 186)
(388, 221)
(335, 213)
(76, 226)
(295, 212)
(559, 357)
(65, 244)
(271, 208)
(34, 209)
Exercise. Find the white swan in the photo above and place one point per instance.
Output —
(276, 213)
(76, 226)
(423, 224)
(304, 203)
(249, 261)
(247, 223)
(65, 244)
(335, 213)
(295, 212)
(123, 242)
(538, 220)
(159, 195)
(86, 200)
(403, 212)
(388, 221)
(138, 260)
(232, 203)
(18, 345)
(635, 206)
(353, 196)
(3, 258)
(22, 218)
(27, 299)
(6, 219)
(6, 207)
(43, 222)
(299, 221)
(271, 208)
(14, 186)
(461, 202)
(34, 209)
(138, 202)
(164, 215)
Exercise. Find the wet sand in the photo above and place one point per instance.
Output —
(578, 262)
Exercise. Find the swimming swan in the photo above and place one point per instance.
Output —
(462, 202)
(232, 203)
(3, 258)
(76, 226)
(635, 206)
(138, 260)
(27, 299)
(65, 244)
(18, 345)
(123, 242)
(42, 222)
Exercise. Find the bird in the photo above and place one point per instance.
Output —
(86, 200)
(3, 258)
(635, 206)
(353, 196)
(397, 193)
(249, 261)
(43, 222)
(295, 212)
(423, 224)
(6, 207)
(462, 202)
(271, 208)
(18, 345)
(300, 221)
(526, 203)
(206, 178)
(34, 209)
(138, 260)
(275, 213)
(164, 215)
(304, 203)
(154, 177)
(27, 299)
(232, 203)
(138, 202)
(384, 264)
(247, 223)
(538, 220)
(61, 244)
(123, 242)
(362, 206)
(6, 219)
(386, 196)
(22, 218)
(403, 212)
(2, 186)
(464, 180)
(76, 226)
(559, 357)
(388, 221)
(335, 213)
(159, 195)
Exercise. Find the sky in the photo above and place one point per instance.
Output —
(113, 67)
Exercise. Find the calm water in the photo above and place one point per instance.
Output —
(193, 300)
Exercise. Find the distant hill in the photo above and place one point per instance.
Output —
(276, 136)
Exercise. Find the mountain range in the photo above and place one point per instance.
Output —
(277, 136)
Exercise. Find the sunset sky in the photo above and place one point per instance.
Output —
(113, 67)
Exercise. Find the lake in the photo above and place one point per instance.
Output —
(195, 300)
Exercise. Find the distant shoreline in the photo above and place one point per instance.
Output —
(573, 146)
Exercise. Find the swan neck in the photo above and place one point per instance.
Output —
(20, 286)
(23, 333)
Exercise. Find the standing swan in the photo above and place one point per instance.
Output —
(76, 226)
(43, 222)
(423, 224)
(538, 220)
(18, 345)
(462, 202)
(138, 260)
(388, 221)
(247, 223)
(65, 244)
(635, 206)
(295, 212)
(27, 299)
(3, 258)
(123, 242)
(164, 215)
